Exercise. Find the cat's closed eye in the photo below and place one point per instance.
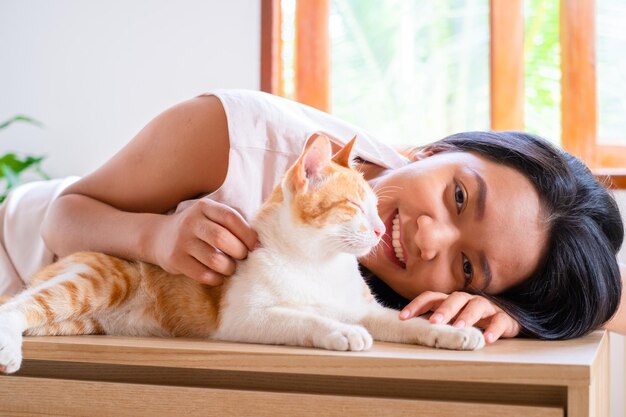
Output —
(355, 205)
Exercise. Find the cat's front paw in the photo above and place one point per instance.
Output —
(347, 337)
(10, 350)
(464, 338)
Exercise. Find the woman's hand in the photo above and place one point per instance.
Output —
(203, 241)
(461, 310)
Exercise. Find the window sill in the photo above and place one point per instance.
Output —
(615, 178)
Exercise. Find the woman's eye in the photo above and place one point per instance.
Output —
(468, 271)
(459, 197)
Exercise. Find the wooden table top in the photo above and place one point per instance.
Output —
(515, 361)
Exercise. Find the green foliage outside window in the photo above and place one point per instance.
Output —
(542, 55)
(412, 71)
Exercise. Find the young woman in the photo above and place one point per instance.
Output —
(499, 230)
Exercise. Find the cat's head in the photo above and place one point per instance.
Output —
(324, 193)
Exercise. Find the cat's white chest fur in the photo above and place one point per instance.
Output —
(267, 280)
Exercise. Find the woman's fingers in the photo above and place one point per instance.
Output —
(212, 258)
(466, 310)
(222, 239)
(204, 241)
(196, 270)
(424, 302)
(450, 307)
(231, 220)
(476, 309)
(501, 325)
(446, 307)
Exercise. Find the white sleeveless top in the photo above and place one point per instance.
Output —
(267, 134)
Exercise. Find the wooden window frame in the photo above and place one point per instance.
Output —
(271, 47)
(578, 66)
(506, 64)
(579, 93)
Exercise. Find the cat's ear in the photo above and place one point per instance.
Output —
(343, 156)
(316, 156)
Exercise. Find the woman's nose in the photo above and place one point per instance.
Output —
(432, 236)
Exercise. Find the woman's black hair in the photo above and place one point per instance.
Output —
(577, 288)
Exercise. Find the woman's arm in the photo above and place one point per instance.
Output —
(618, 322)
(118, 209)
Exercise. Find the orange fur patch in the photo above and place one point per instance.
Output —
(331, 200)
(43, 303)
(72, 291)
(96, 328)
(182, 306)
(33, 316)
(116, 294)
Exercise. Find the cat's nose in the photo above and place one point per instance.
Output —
(379, 228)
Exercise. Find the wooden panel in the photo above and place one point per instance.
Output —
(578, 402)
(517, 361)
(611, 156)
(507, 64)
(599, 392)
(74, 398)
(535, 395)
(613, 178)
(611, 166)
(312, 55)
(271, 47)
(578, 84)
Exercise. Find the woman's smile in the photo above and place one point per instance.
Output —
(397, 240)
(392, 246)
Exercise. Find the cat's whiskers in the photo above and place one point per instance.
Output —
(384, 193)
(385, 188)
(338, 242)
(379, 188)
(339, 247)
(382, 242)
(372, 253)
(345, 240)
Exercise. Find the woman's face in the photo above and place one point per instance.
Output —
(463, 222)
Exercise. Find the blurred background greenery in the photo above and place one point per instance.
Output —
(14, 167)
(412, 71)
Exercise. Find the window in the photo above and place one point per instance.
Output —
(611, 71)
(412, 71)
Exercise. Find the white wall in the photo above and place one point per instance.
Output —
(95, 72)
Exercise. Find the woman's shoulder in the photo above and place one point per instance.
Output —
(264, 121)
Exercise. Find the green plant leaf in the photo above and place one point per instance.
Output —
(12, 165)
(11, 177)
(16, 165)
(20, 118)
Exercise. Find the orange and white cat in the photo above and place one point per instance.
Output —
(301, 287)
